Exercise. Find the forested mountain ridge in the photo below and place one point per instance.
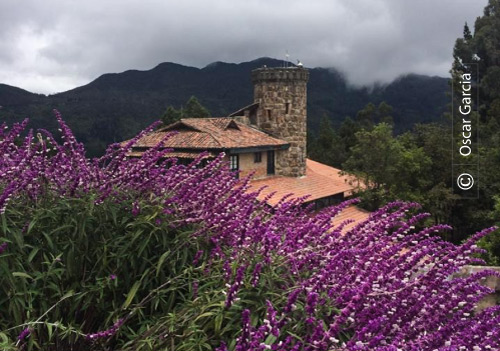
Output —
(116, 106)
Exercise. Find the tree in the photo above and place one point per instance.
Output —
(492, 242)
(373, 160)
(192, 109)
(171, 115)
(479, 53)
(366, 116)
(385, 111)
(327, 148)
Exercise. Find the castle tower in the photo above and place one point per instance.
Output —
(282, 96)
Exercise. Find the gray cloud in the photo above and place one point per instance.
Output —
(56, 45)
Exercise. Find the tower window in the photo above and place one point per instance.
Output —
(287, 108)
(268, 113)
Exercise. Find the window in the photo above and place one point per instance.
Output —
(234, 163)
(287, 108)
(257, 157)
(270, 162)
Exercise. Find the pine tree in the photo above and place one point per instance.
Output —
(194, 109)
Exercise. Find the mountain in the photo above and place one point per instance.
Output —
(116, 106)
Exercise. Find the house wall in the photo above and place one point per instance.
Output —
(247, 165)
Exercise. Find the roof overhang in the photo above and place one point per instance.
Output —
(242, 150)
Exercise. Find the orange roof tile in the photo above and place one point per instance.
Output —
(189, 155)
(210, 133)
(320, 181)
(352, 212)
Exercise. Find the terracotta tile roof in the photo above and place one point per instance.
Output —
(210, 133)
(352, 212)
(320, 181)
(189, 155)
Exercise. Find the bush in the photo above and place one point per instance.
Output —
(145, 254)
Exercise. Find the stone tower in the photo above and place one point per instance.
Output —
(282, 96)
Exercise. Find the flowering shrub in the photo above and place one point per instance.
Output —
(146, 254)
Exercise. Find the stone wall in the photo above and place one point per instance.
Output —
(282, 97)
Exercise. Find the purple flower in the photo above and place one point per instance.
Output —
(108, 332)
(381, 284)
(24, 334)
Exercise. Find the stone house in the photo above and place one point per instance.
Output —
(266, 138)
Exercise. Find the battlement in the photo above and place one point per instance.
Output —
(280, 74)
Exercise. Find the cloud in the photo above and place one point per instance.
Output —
(56, 45)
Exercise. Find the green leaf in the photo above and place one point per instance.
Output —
(33, 254)
(68, 294)
(49, 240)
(160, 262)
(4, 338)
(218, 322)
(22, 275)
(49, 330)
(4, 224)
(206, 314)
(30, 226)
(131, 294)
(270, 339)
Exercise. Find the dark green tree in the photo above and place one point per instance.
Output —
(479, 53)
(384, 111)
(326, 147)
(171, 115)
(391, 167)
(367, 116)
(194, 109)
(373, 159)
(347, 133)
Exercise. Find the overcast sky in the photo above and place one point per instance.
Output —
(48, 46)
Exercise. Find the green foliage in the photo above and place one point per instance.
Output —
(73, 268)
(192, 109)
(171, 115)
(491, 243)
(326, 147)
(392, 168)
(479, 53)
(58, 274)
(370, 115)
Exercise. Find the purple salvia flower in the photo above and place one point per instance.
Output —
(108, 332)
(24, 334)
(3, 247)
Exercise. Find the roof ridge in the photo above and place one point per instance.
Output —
(175, 124)
(212, 132)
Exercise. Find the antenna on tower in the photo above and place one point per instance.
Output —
(286, 59)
